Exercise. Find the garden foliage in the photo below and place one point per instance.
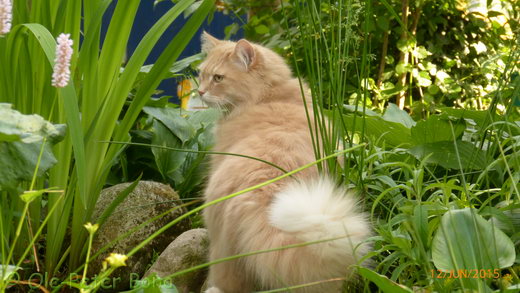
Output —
(421, 99)
(90, 105)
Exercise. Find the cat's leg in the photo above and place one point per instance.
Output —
(229, 276)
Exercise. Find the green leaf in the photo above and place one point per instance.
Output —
(389, 134)
(403, 68)
(406, 45)
(444, 153)
(383, 282)
(394, 114)
(231, 30)
(185, 63)
(481, 118)
(420, 52)
(437, 128)
(423, 79)
(261, 29)
(465, 240)
(420, 220)
(167, 160)
(204, 118)
(172, 119)
(21, 143)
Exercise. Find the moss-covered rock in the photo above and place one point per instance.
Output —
(147, 200)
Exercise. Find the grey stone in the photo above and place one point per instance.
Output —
(188, 250)
(147, 200)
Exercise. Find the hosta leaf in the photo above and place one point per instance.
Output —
(481, 118)
(394, 114)
(172, 119)
(167, 160)
(389, 134)
(437, 128)
(451, 155)
(465, 240)
(21, 138)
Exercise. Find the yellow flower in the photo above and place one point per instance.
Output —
(115, 260)
(91, 228)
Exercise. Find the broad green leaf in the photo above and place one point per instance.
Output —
(167, 160)
(465, 240)
(394, 114)
(444, 153)
(390, 89)
(172, 119)
(389, 134)
(261, 29)
(420, 52)
(403, 68)
(359, 110)
(15, 126)
(184, 63)
(19, 159)
(406, 45)
(204, 118)
(230, 30)
(423, 79)
(437, 128)
(481, 118)
(383, 282)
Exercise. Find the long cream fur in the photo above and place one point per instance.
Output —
(266, 119)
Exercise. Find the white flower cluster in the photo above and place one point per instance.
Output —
(6, 14)
(61, 74)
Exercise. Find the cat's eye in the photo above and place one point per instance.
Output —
(218, 77)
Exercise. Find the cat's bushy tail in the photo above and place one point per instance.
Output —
(319, 210)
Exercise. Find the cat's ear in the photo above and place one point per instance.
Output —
(245, 54)
(208, 42)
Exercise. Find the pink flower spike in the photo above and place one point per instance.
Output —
(6, 14)
(61, 75)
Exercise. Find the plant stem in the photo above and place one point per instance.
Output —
(403, 58)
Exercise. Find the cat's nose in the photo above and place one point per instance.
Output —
(201, 93)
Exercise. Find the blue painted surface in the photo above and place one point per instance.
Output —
(147, 16)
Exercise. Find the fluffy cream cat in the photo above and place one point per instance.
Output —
(266, 119)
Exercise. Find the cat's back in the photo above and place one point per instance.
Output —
(276, 132)
(270, 125)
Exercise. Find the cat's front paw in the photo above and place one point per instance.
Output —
(213, 290)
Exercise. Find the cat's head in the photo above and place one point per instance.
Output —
(238, 73)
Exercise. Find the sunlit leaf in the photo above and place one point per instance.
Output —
(465, 240)
(21, 142)
(451, 154)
